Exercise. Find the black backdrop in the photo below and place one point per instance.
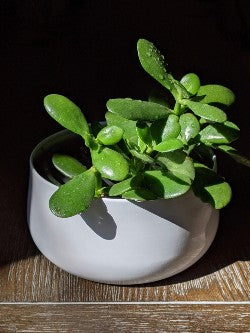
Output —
(87, 51)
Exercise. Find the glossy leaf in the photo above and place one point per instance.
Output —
(128, 126)
(143, 132)
(219, 133)
(110, 164)
(232, 152)
(110, 135)
(75, 196)
(162, 130)
(137, 110)
(206, 111)
(66, 113)
(210, 187)
(190, 126)
(143, 157)
(164, 184)
(139, 194)
(214, 93)
(124, 186)
(191, 82)
(153, 62)
(178, 163)
(67, 165)
(169, 145)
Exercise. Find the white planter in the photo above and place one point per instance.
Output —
(119, 241)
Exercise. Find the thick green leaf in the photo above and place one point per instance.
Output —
(66, 113)
(219, 133)
(143, 132)
(232, 152)
(67, 165)
(210, 187)
(178, 163)
(214, 93)
(110, 135)
(143, 157)
(206, 111)
(75, 196)
(169, 145)
(128, 126)
(153, 62)
(164, 184)
(124, 186)
(191, 82)
(162, 130)
(110, 164)
(137, 110)
(190, 126)
(139, 194)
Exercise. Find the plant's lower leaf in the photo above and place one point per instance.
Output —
(210, 187)
(137, 110)
(214, 93)
(164, 184)
(139, 194)
(169, 145)
(67, 165)
(110, 164)
(206, 111)
(75, 196)
(178, 163)
(124, 186)
(219, 133)
(232, 152)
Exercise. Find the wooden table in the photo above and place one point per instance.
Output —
(40, 55)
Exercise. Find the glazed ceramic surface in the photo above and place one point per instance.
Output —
(119, 241)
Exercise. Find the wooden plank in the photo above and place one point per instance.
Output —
(125, 318)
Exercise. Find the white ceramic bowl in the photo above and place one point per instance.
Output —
(118, 241)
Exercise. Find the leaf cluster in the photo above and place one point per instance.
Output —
(149, 149)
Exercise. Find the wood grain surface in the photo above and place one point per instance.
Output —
(125, 318)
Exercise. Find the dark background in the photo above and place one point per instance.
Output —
(86, 50)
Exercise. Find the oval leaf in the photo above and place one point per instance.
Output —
(214, 93)
(190, 126)
(75, 196)
(67, 165)
(162, 130)
(169, 145)
(66, 113)
(164, 184)
(137, 110)
(124, 186)
(178, 163)
(110, 164)
(191, 82)
(139, 194)
(219, 133)
(206, 111)
(210, 187)
(110, 135)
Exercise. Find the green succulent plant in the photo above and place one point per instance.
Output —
(148, 149)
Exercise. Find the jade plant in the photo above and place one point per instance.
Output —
(148, 149)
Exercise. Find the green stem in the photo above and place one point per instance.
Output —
(177, 108)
